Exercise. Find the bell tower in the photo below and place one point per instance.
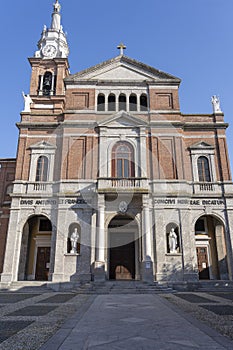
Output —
(50, 63)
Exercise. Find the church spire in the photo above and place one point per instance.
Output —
(56, 16)
(53, 42)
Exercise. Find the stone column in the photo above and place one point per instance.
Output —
(147, 267)
(188, 246)
(58, 244)
(143, 160)
(99, 269)
(12, 252)
(102, 153)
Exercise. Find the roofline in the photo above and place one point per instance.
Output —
(123, 58)
(7, 160)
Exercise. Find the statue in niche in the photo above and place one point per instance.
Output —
(216, 104)
(74, 240)
(172, 240)
(27, 102)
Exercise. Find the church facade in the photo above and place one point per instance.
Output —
(112, 180)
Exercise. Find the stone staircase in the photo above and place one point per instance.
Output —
(117, 287)
(123, 287)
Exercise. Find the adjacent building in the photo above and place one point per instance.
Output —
(112, 180)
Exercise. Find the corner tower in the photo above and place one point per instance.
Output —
(50, 62)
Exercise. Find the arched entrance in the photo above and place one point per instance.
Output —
(211, 248)
(123, 248)
(34, 261)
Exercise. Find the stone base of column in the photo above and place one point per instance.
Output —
(147, 271)
(81, 277)
(6, 277)
(99, 271)
(56, 277)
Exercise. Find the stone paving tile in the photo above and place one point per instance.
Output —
(223, 323)
(34, 310)
(139, 322)
(36, 330)
(193, 298)
(59, 298)
(219, 309)
(224, 295)
(8, 298)
(9, 328)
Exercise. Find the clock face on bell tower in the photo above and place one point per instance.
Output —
(49, 50)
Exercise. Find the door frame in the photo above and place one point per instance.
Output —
(40, 242)
(202, 241)
(122, 231)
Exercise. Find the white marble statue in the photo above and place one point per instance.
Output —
(216, 104)
(27, 102)
(74, 240)
(57, 6)
(172, 237)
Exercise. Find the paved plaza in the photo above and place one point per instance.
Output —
(73, 320)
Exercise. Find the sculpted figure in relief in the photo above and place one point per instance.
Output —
(27, 102)
(216, 104)
(74, 240)
(172, 241)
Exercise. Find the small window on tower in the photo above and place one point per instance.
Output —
(47, 83)
(42, 169)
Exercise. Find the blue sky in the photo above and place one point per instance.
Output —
(191, 39)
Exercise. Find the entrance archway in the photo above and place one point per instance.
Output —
(123, 248)
(211, 248)
(34, 263)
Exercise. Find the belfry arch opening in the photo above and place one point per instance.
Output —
(34, 263)
(211, 248)
(124, 247)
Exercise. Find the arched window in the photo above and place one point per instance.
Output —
(101, 102)
(47, 83)
(42, 169)
(203, 169)
(111, 102)
(143, 102)
(123, 160)
(122, 102)
(133, 102)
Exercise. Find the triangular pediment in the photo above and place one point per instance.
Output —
(42, 145)
(122, 68)
(122, 119)
(201, 145)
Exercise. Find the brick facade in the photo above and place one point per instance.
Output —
(171, 173)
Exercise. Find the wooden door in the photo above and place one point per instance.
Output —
(202, 260)
(122, 262)
(42, 264)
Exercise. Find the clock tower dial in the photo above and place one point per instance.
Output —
(49, 51)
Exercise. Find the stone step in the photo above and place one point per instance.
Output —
(25, 286)
(203, 286)
(123, 288)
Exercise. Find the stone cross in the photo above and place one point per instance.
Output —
(121, 47)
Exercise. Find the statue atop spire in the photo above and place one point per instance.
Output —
(56, 16)
(57, 6)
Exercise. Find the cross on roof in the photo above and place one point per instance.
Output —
(121, 47)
